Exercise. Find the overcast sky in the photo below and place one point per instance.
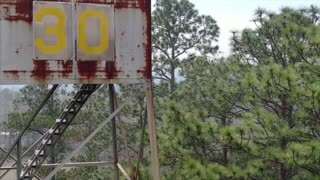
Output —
(237, 14)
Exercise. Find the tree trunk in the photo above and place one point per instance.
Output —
(172, 79)
(225, 156)
(283, 170)
(286, 114)
(225, 148)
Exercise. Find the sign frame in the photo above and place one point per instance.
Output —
(132, 51)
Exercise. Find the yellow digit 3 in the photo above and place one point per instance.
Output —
(58, 30)
(82, 32)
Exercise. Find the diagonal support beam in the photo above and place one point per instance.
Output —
(22, 156)
(6, 169)
(73, 153)
(57, 130)
(73, 165)
(29, 122)
(123, 171)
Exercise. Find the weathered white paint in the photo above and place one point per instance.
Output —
(130, 64)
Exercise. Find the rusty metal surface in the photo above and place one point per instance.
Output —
(132, 60)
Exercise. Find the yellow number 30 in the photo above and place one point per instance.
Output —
(82, 32)
(58, 30)
(52, 35)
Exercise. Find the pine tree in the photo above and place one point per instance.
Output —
(178, 30)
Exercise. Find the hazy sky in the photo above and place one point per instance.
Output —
(237, 14)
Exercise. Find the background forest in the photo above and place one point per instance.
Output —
(252, 115)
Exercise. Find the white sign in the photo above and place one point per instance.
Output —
(55, 25)
(52, 31)
(75, 42)
(95, 32)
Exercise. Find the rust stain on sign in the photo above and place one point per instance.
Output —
(66, 68)
(23, 10)
(97, 1)
(110, 70)
(14, 74)
(91, 69)
(41, 70)
(87, 68)
(140, 4)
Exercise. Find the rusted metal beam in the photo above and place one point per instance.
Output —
(73, 165)
(84, 142)
(152, 132)
(112, 97)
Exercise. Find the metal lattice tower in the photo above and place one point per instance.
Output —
(54, 134)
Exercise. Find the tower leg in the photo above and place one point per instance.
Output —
(114, 132)
(152, 132)
(19, 164)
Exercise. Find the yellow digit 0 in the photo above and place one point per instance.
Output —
(58, 30)
(82, 32)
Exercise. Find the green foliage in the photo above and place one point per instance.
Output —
(178, 30)
(285, 38)
(199, 111)
(31, 97)
(86, 173)
(254, 115)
